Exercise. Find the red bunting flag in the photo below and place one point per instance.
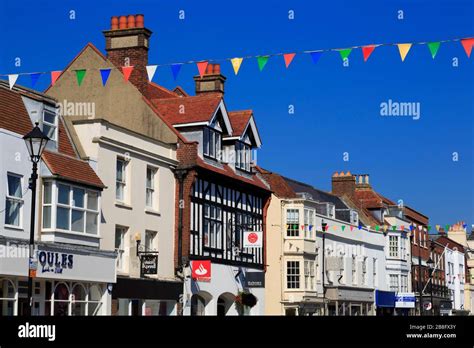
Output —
(202, 66)
(54, 76)
(288, 58)
(127, 70)
(467, 44)
(352, 227)
(367, 51)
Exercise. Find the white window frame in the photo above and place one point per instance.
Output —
(122, 250)
(354, 218)
(292, 220)
(18, 200)
(153, 240)
(151, 190)
(243, 156)
(212, 143)
(308, 221)
(295, 282)
(53, 126)
(374, 271)
(122, 183)
(393, 246)
(331, 210)
(309, 275)
(394, 282)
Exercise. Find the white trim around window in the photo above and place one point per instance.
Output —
(151, 188)
(14, 201)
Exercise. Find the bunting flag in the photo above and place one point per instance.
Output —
(367, 51)
(302, 227)
(345, 53)
(12, 80)
(175, 68)
(150, 71)
(438, 227)
(105, 73)
(127, 71)
(310, 227)
(327, 227)
(236, 63)
(464, 225)
(394, 228)
(403, 49)
(202, 66)
(428, 227)
(412, 228)
(80, 75)
(447, 228)
(434, 47)
(351, 227)
(385, 228)
(376, 227)
(334, 227)
(467, 44)
(288, 57)
(34, 79)
(262, 61)
(402, 227)
(315, 56)
(343, 228)
(54, 76)
(360, 227)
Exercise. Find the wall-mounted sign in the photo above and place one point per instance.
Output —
(149, 264)
(254, 280)
(201, 270)
(405, 300)
(253, 239)
(55, 262)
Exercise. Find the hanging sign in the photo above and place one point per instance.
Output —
(253, 239)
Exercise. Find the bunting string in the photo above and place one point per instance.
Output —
(262, 60)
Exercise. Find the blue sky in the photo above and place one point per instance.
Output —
(337, 109)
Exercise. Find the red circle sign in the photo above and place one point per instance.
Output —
(253, 238)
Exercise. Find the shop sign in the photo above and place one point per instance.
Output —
(253, 239)
(53, 262)
(255, 280)
(149, 264)
(201, 270)
(405, 300)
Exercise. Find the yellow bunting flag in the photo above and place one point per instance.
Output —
(403, 48)
(236, 63)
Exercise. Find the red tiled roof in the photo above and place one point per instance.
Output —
(412, 214)
(13, 114)
(239, 121)
(65, 145)
(181, 110)
(155, 91)
(368, 198)
(277, 183)
(71, 168)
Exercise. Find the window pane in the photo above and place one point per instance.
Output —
(78, 197)
(12, 213)
(120, 170)
(46, 217)
(63, 194)
(78, 221)
(206, 141)
(150, 175)
(92, 200)
(62, 218)
(47, 187)
(48, 131)
(149, 198)
(49, 117)
(118, 238)
(119, 191)
(14, 186)
(91, 223)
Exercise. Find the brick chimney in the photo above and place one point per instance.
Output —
(212, 81)
(127, 43)
(343, 184)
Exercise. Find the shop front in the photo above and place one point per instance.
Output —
(68, 280)
(385, 303)
(349, 301)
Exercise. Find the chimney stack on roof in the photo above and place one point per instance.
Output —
(127, 44)
(343, 183)
(212, 81)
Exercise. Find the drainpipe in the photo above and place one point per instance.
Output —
(323, 227)
(180, 175)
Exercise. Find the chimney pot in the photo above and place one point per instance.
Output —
(131, 21)
(123, 22)
(139, 21)
(367, 179)
(114, 23)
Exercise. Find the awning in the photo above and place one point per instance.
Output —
(384, 298)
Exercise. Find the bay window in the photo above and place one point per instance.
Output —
(70, 208)
(14, 200)
(211, 143)
(292, 223)
(292, 274)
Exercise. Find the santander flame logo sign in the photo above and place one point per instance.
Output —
(201, 270)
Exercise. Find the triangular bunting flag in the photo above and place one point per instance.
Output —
(367, 51)
(175, 68)
(54, 76)
(127, 71)
(385, 227)
(150, 70)
(343, 228)
(302, 227)
(402, 227)
(236, 63)
(376, 227)
(202, 66)
(447, 228)
(412, 228)
(327, 227)
(315, 56)
(464, 225)
(434, 47)
(420, 227)
(105, 73)
(360, 227)
(352, 227)
(345, 53)
(403, 49)
(34, 78)
(310, 227)
(288, 57)
(467, 44)
(334, 227)
(262, 61)
(428, 227)
(394, 228)
(438, 227)
(80, 75)
(12, 79)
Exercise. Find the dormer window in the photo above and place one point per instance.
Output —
(243, 156)
(212, 143)
(354, 217)
(331, 211)
(50, 124)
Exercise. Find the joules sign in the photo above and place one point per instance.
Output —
(55, 262)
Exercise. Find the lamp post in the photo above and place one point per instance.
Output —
(323, 228)
(35, 143)
(430, 264)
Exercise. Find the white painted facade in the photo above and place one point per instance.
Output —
(455, 276)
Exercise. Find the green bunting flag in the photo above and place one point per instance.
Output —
(80, 75)
(429, 228)
(377, 227)
(343, 228)
(262, 61)
(394, 228)
(345, 53)
(434, 47)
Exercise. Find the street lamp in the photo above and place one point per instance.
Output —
(430, 264)
(323, 228)
(35, 143)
